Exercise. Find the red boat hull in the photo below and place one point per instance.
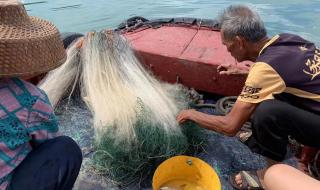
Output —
(187, 55)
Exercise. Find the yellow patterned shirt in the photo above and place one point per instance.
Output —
(288, 66)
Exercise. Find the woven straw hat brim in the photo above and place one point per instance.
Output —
(29, 48)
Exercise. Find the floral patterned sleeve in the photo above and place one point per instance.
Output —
(42, 123)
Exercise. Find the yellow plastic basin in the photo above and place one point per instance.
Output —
(185, 173)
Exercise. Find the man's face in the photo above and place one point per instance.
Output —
(234, 47)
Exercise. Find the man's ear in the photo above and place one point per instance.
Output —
(240, 41)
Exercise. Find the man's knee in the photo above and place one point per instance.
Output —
(266, 109)
(269, 109)
(268, 138)
(275, 171)
(274, 175)
(282, 176)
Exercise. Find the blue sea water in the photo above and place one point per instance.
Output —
(301, 17)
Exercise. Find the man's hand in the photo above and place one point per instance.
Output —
(185, 115)
(229, 69)
(228, 125)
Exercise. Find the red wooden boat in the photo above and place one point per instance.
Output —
(184, 50)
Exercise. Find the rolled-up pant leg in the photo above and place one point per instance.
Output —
(274, 121)
(53, 165)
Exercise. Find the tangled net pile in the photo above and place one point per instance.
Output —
(133, 113)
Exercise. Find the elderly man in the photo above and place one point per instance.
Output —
(282, 90)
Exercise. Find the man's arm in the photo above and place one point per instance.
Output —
(228, 125)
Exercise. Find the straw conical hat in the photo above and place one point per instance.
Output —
(28, 45)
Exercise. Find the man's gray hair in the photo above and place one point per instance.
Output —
(242, 21)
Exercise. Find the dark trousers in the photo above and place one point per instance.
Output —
(54, 164)
(274, 121)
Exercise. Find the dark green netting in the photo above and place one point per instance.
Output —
(137, 161)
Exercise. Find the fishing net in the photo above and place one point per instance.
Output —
(137, 161)
(133, 115)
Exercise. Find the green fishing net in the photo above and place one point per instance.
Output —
(130, 163)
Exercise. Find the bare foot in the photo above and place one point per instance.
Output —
(260, 173)
(244, 136)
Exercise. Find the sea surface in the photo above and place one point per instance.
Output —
(301, 17)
